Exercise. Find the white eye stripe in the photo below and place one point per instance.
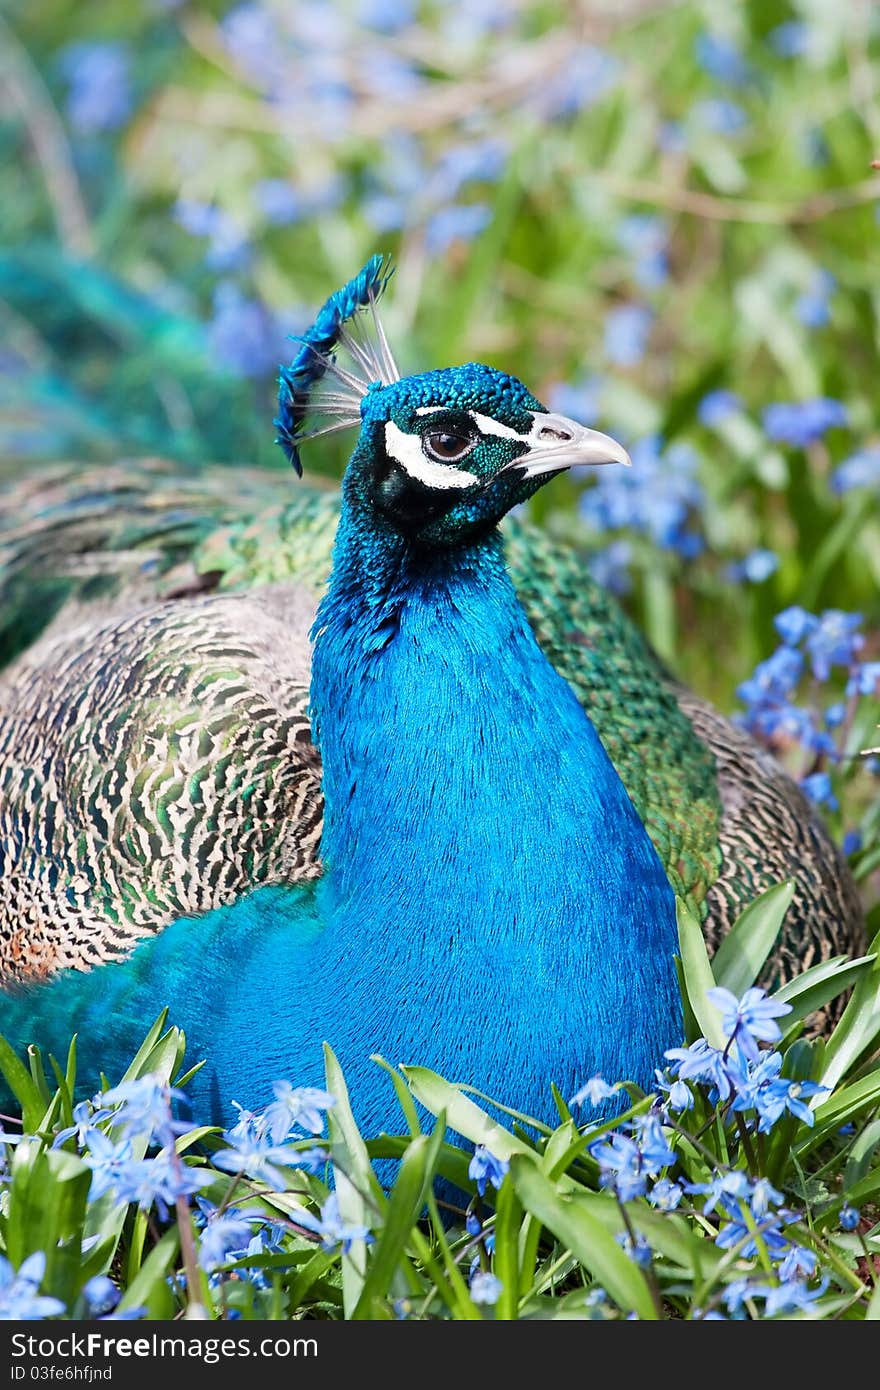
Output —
(406, 449)
(484, 423)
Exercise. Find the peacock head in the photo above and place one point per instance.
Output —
(441, 456)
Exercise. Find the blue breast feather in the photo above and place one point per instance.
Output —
(491, 905)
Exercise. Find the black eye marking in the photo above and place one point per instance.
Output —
(443, 446)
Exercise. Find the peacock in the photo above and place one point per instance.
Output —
(364, 767)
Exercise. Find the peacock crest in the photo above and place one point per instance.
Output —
(349, 320)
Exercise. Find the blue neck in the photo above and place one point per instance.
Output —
(491, 908)
(481, 852)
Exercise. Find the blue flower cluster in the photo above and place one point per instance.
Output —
(98, 76)
(638, 1158)
(20, 1298)
(801, 423)
(814, 645)
(660, 497)
(861, 469)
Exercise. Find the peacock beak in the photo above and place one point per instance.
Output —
(556, 443)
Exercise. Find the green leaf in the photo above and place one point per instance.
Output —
(698, 976)
(861, 1153)
(859, 1027)
(148, 1288)
(405, 1201)
(572, 1220)
(410, 1114)
(816, 987)
(840, 1108)
(738, 960)
(45, 1211)
(508, 1221)
(22, 1086)
(357, 1187)
(462, 1114)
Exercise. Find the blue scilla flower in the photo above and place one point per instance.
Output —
(19, 1297)
(798, 1261)
(794, 1094)
(485, 1168)
(720, 58)
(228, 245)
(749, 1020)
(610, 565)
(835, 715)
(297, 1107)
(723, 1187)
(861, 469)
(763, 1197)
(834, 641)
(678, 1095)
(335, 1232)
(85, 1119)
(852, 842)
(580, 399)
(587, 74)
(792, 1295)
(645, 237)
(719, 116)
(638, 1249)
(158, 1181)
(143, 1109)
(653, 1146)
(665, 1195)
(794, 624)
(756, 568)
(819, 789)
(659, 496)
(813, 307)
(849, 1218)
(790, 39)
(99, 86)
(774, 679)
(701, 1062)
(485, 1288)
(107, 1160)
(480, 161)
(387, 16)
(222, 1237)
(243, 335)
(626, 333)
(279, 202)
(717, 406)
(101, 1295)
(773, 1097)
(458, 222)
(736, 1232)
(596, 1090)
(251, 1151)
(737, 1292)
(783, 724)
(800, 423)
(864, 679)
(627, 1161)
(751, 1078)
(249, 33)
(621, 1166)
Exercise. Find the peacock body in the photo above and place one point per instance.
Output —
(451, 835)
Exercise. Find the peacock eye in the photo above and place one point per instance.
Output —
(444, 447)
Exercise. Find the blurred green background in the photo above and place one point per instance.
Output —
(663, 217)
